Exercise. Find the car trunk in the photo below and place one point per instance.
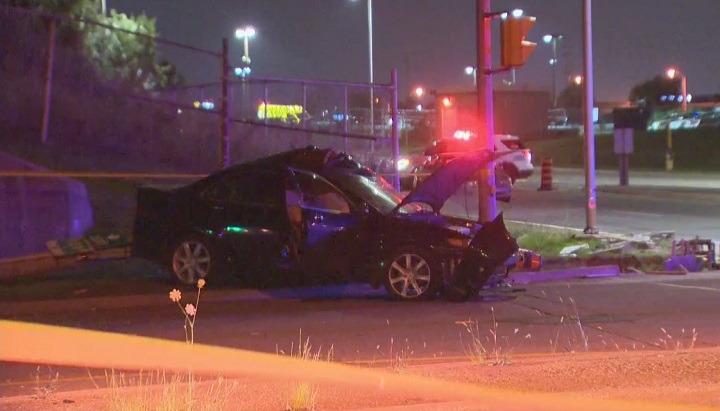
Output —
(150, 227)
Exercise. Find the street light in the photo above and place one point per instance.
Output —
(245, 34)
(472, 71)
(577, 79)
(419, 91)
(672, 73)
(553, 39)
(370, 59)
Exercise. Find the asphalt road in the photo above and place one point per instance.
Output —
(685, 203)
(621, 313)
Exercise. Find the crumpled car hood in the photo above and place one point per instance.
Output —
(443, 183)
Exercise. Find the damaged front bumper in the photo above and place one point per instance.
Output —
(488, 258)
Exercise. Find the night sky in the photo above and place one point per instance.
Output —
(431, 41)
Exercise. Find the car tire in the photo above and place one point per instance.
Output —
(510, 170)
(191, 258)
(412, 274)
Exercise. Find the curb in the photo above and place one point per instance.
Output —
(672, 192)
(556, 275)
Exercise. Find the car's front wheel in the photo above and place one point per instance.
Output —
(192, 258)
(510, 170)
(412, 274)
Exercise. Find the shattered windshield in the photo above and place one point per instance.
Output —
(376, 192)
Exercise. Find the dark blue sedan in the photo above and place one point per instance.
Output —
(310, 216)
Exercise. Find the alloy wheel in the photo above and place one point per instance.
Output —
(191, 261)
(409, 276)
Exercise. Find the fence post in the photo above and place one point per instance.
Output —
(395, 136)
(345, 118)
(225, 108)
(48, 80)
(308, 139)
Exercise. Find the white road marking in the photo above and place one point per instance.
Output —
(690, 286)
(638, 213)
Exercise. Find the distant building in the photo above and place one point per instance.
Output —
(521, 112)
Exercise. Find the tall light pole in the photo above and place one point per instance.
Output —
(553, 39)
(472, 71)
(673, 73)
(245, 34)
(370, 61)
(589, 141)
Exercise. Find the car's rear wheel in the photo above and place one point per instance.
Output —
(412, 274)
(192, 258)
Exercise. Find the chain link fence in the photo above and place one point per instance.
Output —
(107, 102)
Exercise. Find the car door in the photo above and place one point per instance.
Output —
(328, 249)
(246, 219)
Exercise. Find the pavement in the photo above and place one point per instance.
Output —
(232, 296)
(349, 291)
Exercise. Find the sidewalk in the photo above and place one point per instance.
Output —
(672, 181)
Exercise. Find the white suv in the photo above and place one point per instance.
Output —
(513, 156)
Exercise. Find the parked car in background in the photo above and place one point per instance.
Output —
(557, 117)
(511, 154)
(710, 119)
(503, 182)
(676, 121)
(351, 226)
(414, 169)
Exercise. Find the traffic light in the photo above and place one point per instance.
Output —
(513, 29)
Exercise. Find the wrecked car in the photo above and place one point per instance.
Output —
(312, 216)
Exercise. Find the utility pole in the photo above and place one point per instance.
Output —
(224, 154)
(372, 90)
(48, 80)
(487, 203)
(589, 143)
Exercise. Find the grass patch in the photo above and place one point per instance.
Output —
(303, 397)
(694, 150)
(159, 392)
(304, 350)
(549, 242)
(649, 255)
(487, 350)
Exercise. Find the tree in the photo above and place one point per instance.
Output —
(571, 96)
(650, 92)
(127, 53)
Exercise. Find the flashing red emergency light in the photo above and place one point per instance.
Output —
(463, 135)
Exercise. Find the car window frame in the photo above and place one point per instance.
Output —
(251, 175)
(352, 207)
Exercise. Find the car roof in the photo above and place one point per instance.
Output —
(309, 158)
